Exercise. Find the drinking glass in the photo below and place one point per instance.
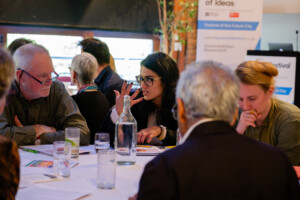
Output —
(101, 141)
(61, 158)
(106, 169)
(72, 135)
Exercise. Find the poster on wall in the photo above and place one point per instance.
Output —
(227, 29)
(285, 81)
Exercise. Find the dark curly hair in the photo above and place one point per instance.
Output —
(164, 66)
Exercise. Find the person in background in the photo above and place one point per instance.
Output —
(264, 117)
(14, 45)
(158, 78)
(41, 108)
(92, 103)
(9, 156)
(106, 79)
(112, 63)
(212, 160)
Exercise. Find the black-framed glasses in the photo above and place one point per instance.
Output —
(174, 111)
(148, 80)
(54, 77)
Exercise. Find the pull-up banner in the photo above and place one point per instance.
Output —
(227, 29)
(287, 63)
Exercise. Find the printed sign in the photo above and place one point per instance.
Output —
(227, 29)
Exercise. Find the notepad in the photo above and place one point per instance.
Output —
(147, 150)
(47, 193)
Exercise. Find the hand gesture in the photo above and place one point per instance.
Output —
(125, 91)
(247, 118)
(146, 135)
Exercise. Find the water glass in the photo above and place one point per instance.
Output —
(72, 135)
(61, 158)
(106, 169)
(102, 141)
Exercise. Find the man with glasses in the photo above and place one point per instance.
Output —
(41, 108)
(212, 160)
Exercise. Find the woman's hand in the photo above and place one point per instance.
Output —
(125, 91)
(247, 118)
(146, 135)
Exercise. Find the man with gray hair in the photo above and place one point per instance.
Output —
(41, 108)
(212, 160)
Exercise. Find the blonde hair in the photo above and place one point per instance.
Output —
(7, 71)
(257, 73)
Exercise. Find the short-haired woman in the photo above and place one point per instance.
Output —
(92, 103)
(264, 117)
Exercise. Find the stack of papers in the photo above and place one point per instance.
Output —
(47, 193)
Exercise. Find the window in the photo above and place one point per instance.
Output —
(127, 52)
(61, 48)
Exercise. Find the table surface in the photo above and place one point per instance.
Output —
(83, 177)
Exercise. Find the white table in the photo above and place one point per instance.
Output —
(83, 177)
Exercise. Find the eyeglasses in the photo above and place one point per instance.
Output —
(148, 80)
(174, 111)
(54, 77)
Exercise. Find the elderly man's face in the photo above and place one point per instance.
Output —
(41, 68)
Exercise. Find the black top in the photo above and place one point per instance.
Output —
(141, 115)
(108, 81)
(94, 106)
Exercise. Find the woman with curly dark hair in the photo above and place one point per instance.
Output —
(158, 78)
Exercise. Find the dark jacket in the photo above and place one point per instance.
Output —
(217, 163)
(108, 81)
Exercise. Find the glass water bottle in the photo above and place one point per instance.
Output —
(125, 136)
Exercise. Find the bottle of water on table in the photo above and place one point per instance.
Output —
(125, 136)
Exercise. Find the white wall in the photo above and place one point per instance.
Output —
(281, 6)
(281, 19)
(280, 28)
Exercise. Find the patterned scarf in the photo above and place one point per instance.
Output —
(87, 87)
